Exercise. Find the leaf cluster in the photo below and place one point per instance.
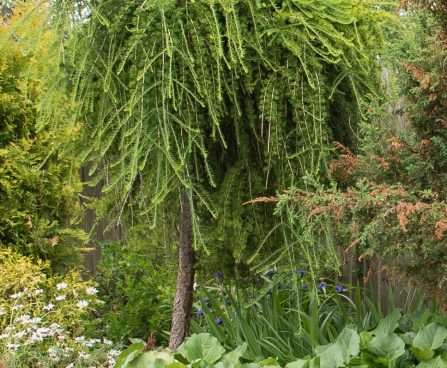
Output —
(396, 341)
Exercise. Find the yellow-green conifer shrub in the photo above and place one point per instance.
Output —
(39, 181)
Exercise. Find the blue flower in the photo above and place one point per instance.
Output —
(218, 275)
(199, 313)
(301, 272)
(322, 285)
(270, 273)
(218, 321)
(340, 289)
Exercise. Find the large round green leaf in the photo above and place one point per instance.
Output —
(387, 347)
(201, 347)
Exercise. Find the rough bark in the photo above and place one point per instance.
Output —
(181, 314)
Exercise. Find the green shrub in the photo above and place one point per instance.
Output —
(138, 288)
(44, 320)
(39, 171)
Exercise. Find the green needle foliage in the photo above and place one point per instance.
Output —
(227, 99)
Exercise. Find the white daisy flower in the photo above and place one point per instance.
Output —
(84, 355)
(53, 353)
(114, 353)
(61, 285)
(24, 318)
(82, 304)
(13, 347)
(91, 290)
(80, 339)
(107, 342)
(48, 307)
(36, 320)
(16, 295)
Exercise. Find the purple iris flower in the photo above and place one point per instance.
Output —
(199, 313)
(218, 275)
(270, 273)
(218, 321)
(322, 285)
(340, 289)
(301, 272)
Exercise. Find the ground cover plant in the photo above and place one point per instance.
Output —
(411, 340)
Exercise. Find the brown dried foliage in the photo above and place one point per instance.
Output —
(404, 210)
(319, 210)
(368, 275)
(151, 342)
(424, 145)
(352, 245)
(383, 164)
(440, 229)
(442, 122)
(395, 143)
(418, 75)
(343, 167)
(262, 200)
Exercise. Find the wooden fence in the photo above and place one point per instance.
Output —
(375, 275)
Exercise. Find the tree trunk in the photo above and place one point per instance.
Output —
(181, 314)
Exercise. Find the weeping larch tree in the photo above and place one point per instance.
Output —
(204, 100)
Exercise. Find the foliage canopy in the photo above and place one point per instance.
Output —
(229, 100)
